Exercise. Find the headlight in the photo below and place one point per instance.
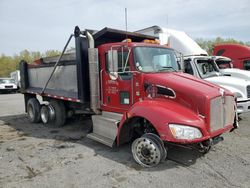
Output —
(237, 95)
(184, 132)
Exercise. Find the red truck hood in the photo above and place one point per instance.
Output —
(185, 82)
(190, 91)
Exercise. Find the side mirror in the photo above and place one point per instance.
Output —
(180, 60)
(113, 61)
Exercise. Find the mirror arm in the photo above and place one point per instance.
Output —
(126, 60)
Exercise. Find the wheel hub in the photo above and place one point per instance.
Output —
(47, 113)
(146, 152)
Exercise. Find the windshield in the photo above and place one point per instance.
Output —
(153, 59)
(7, 81)
(224, 64)
(207, 68)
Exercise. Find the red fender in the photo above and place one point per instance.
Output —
(160, 113)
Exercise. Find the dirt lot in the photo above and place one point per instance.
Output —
(32, 155)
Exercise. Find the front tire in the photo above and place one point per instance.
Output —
(148, 150)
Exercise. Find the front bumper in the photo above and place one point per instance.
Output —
(202, 147)
(8, 89)
(243, 106)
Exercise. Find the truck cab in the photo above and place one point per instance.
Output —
(123, 66)
(226, 67)
(239, 54)
(144, 83)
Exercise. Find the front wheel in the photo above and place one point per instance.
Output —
(148, 150)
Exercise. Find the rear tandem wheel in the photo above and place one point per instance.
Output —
(54, 114)
(33, 110)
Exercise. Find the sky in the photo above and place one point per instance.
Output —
(40, 25)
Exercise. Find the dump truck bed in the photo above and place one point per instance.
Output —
(63, 83)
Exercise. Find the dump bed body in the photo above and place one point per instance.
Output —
(63, 81)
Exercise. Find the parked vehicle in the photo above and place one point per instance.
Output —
(198, 63)
(7, 85)
(16, 76)
(239, 54)
(226, 67)
(134, 93)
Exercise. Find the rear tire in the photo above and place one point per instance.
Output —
(33, 110)
(148, 150)
(54, 114)
(46, 116)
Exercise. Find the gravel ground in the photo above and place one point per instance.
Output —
(32, 155)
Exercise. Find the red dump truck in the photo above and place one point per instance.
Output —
(239, 54)
(132, 89)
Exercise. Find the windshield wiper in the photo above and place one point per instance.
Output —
(166, 68)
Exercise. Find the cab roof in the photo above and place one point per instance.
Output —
(108, 35)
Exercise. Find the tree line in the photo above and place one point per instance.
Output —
(9, 64)
(208, 45)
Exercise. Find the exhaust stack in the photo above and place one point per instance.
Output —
(93, 75)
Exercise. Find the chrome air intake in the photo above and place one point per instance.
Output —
(248, 91)
(221, 112)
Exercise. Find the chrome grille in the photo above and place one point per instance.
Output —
(248, 91)
(8, 87)
(221, 112)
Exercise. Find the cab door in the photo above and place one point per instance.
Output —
(117, 81)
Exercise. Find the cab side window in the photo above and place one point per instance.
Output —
(188, 68)
(123, 66)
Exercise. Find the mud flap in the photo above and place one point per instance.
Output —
(236, 122)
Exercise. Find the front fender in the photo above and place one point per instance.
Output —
(235, 91)
(160, 113)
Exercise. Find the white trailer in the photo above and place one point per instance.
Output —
(16, 76)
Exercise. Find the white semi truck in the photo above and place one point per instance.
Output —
(226, 67)
(198, 63)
